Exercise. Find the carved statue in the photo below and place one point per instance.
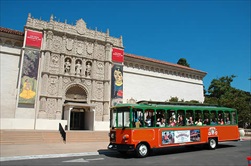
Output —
(88, 69)
(78, 68)
(67, 66)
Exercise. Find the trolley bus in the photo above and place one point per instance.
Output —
(150, 125)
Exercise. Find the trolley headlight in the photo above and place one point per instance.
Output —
(112, 135)
(125, 137)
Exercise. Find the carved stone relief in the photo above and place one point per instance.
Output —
(99, 90)
(57, 44)
(81, 26)
(67, 65)
(80, 48)
(98, 111)
(66, 81)
(53, 85)
(88, 69)
(51, 107)
(100, 52)
(78, 67)
(69, 44)
(100, 70)
(54, 60)
(89, 49)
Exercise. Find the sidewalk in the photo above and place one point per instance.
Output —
(15, 152)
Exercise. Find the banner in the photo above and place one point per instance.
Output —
(180, 136)
(117, 84)
(117, 55)
(29, 77)
(33, 39)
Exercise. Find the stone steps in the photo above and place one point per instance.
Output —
(38, 137)
(87, 136)
(29, 137)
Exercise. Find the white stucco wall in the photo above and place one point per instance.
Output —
(9, 68)
(146, 85)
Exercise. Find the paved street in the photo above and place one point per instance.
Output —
(228, 153)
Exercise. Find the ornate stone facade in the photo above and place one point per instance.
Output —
(75, 67)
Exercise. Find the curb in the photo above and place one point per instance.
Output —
(13, 158)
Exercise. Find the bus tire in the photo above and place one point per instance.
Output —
(212, 143)
(142, 150)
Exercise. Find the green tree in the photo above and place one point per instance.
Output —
(183, 62)
(222, 93)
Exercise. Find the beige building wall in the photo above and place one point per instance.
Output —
(148, 79)
(9, 67)
(61, 92)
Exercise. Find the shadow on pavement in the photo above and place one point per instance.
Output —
(162, 151)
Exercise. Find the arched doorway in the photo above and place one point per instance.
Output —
(78, 113)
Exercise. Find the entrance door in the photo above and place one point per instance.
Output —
(77, 121)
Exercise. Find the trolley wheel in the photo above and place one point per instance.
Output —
(142, 150)
(212, 143)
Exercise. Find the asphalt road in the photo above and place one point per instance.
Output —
(226, 154)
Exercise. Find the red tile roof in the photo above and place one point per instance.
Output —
(162, 62)
(10, 31)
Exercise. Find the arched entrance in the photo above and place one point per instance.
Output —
(78, 113)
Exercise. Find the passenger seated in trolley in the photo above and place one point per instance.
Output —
(137, 123)
(227, 121)
(172, 122)
(148, 121)
(180, 121)
(198, 123)
(161, 123)
(190, 121)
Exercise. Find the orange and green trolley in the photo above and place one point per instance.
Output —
(150, 125)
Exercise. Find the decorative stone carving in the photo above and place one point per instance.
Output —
(99, 111)
(67, 65)
(89, 48)
(54, 60)
(69, 44)
(88, 69)
(99, 90)
(88, 82)
(53, 85)
(100, 70)
(80, 48)
(100, 52)
(66, 81)
(51, 107)
(42, 105)
(78, 67)
(57, 44)
(81, 26)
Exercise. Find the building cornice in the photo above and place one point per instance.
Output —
(163, 63)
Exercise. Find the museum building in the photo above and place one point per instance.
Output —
(56, 73)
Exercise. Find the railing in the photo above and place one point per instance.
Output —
(62, 132)
(247, 132)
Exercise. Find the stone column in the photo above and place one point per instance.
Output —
(61, 64)
(59, 109)
(72, 72)
(42, 114)
(60, 86)
(44, 84)
(106, 112)
(83, 68)
(108, 52)
(47, 61)
(93, 71)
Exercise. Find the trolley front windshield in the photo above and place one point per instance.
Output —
(120, 117)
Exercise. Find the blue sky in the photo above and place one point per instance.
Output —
(213, 35)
